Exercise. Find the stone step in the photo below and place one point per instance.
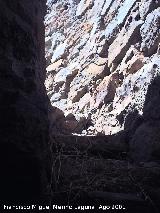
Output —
(90, 171)
(104, 146)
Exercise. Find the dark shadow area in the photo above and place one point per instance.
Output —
(20, 172)
(143, 131)
(24, 126)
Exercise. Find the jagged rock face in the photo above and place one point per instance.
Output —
(101, 57)
(144, 144)
(24, 125)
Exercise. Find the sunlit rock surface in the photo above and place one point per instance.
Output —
(101, 57)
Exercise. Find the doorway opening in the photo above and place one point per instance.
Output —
(94, 81)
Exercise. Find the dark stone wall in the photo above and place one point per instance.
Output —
(24, 137)
(145, 141)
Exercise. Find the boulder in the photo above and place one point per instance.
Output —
(145, 144)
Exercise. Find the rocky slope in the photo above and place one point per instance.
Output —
(101, 57)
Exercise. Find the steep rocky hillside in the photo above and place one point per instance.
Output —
(101, 57)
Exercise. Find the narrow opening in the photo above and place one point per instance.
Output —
(103, 84)
(97, 92)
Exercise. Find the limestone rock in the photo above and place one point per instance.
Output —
(122, 43)
(150, 32)
(54, 66)
(83, 6)
(109, 53)
(145, 144)
(106, 90)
